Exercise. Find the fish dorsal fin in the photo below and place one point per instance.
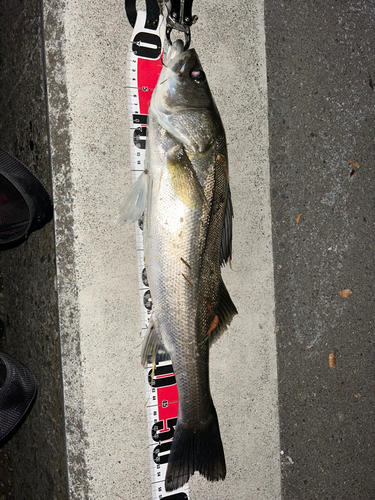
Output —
(153, 350)
(225, 310)
(226, 234)
(134, 203)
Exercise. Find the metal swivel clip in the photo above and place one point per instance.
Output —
(180, 18)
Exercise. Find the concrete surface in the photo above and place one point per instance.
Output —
(96, 268)
(320, 59)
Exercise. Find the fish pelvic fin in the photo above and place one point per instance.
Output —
(134, 203)
(225, 311)
(195, 449)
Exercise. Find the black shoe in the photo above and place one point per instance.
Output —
(25, 205)
(17, 392)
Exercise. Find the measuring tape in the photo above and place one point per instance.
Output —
(143, 69)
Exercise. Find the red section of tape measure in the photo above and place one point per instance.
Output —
(168, 402)
(148, 73)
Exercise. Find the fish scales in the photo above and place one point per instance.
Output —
(187, 236)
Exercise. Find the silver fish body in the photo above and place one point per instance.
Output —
(187, 237)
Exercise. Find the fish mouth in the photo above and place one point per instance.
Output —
(177, 57)
(175, 49)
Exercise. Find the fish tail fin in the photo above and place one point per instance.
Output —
(194, 449)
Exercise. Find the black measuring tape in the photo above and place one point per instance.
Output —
(152, 13)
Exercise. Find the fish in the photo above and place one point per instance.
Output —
(185, 199)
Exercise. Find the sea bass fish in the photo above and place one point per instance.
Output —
(184, 194)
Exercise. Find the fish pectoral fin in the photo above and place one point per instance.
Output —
(226, 234)
(184, 178)
(225, 311)
(153, 350)
(134, 203)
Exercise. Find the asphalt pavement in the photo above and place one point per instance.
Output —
(320, 80)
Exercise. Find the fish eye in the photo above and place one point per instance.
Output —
(198, 76)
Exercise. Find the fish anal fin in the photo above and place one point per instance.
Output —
(153, 350)
(225, 310)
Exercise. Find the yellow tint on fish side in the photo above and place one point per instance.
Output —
(184, 179)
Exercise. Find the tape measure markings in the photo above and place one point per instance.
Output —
(143, 68)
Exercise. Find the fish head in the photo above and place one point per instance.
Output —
(182, 101)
